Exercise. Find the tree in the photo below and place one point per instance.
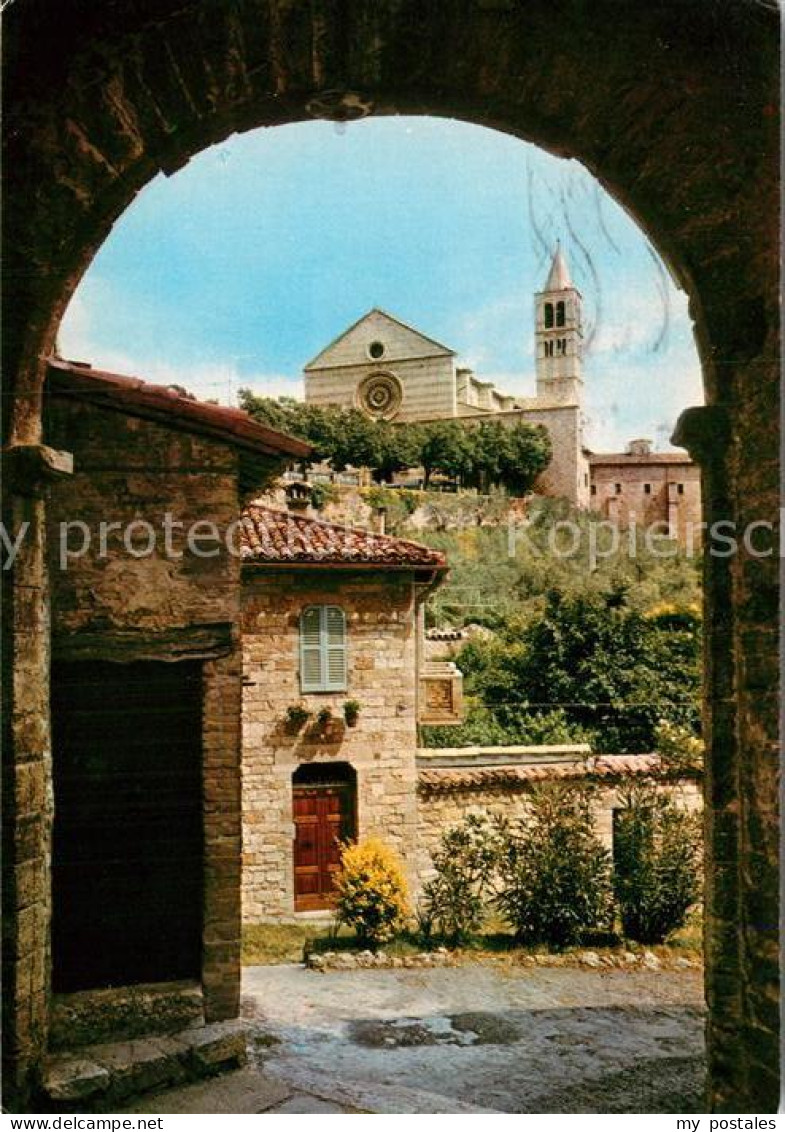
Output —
(445, 448)
(398, 448)
(615, 671)
(526, 453)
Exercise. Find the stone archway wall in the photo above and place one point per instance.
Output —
(672, 104)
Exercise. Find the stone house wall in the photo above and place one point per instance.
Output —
(381, 628)
(663, 503)
(440, 810)
(110, 605)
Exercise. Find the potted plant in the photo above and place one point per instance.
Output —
(324, 718)
(296, 717)
(351, 712)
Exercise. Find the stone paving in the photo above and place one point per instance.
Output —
(477, 1038)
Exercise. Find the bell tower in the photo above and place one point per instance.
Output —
(559, 336)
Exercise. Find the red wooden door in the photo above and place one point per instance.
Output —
(323, 817)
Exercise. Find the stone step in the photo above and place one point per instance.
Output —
(98, 1078)
(85, 1018)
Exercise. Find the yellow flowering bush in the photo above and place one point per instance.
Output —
(371, 891)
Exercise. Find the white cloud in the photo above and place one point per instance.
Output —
(219, 381)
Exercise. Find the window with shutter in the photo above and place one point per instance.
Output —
(323, 649)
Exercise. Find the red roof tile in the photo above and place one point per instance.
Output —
(603, 767)
(269, 536)
(159, 402)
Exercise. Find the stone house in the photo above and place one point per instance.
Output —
(331, 616)
(643, 488)
(142, 889)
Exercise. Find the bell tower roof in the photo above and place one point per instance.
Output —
(559, 275)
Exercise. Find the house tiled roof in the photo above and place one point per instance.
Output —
(160, 402)
(602, 767)
(622, 458)
(269, 536)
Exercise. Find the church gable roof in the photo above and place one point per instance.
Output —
(399, 341)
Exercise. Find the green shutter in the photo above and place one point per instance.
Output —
(311, 649)
(323, 649)
(335, 648)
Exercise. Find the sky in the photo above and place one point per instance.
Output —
(241, 267)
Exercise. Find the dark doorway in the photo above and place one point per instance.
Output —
(325, 814)
(127, 847)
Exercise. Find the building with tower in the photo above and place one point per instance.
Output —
(392, 371)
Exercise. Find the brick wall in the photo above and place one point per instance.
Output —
(381, 643)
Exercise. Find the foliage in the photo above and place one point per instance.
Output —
(503, 570)
(477, 455)
(614, 672)
(351, 711)
(678, 747)
(656, 863)
(482, 728)
(296, 716)
(554, 873)
(323, 494)
(455, 899)
(371, 891)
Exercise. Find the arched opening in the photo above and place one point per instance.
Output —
(97, 113)
(324, 806)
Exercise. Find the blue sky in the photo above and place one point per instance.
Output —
(241, 267)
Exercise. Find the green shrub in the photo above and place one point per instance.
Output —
(657, 847)
(678, 747)
(482, 728)
(371, 892)
(455, 900)
(554, 873)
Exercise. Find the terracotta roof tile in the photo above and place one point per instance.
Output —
(603, 766)
(271, 536)
(159, 402)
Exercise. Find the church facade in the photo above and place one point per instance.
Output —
(391, 371)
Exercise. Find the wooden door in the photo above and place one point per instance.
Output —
(127, 848)
(323, 817)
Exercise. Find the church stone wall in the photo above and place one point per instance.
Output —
(428, 386)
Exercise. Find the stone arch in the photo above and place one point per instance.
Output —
(672, 107)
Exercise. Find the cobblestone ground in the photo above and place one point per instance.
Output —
(481, 1038)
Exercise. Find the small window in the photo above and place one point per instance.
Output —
(593, 489)
(548, 315)
(680, 489)
(560, 314)
(376, 350)
(323, 649)
(618, 488)
(647, 489)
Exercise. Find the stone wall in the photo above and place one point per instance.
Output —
(428, 386)
(441, 810)
(381, 642)
(110, 605)
(664, 503)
